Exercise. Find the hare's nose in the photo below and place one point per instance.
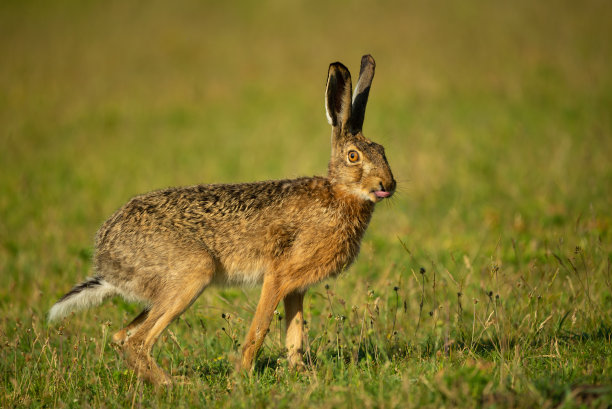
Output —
(389, 188)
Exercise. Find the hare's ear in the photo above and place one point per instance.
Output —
(362, 90)
(338, 96)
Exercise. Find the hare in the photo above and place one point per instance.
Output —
(164, 248)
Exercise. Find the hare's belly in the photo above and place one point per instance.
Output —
(239, 272)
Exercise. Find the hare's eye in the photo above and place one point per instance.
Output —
(353, 156)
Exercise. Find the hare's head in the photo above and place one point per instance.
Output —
(357, 165)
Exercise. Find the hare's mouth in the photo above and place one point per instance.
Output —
(381, 194)
(378, 195)
(382, 191)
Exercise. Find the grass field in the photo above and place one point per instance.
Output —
(486, 280)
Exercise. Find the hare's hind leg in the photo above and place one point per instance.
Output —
(294, 303)
(121, 336)
(137, 347)
(178, 294)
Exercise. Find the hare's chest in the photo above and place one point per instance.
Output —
(331, 250)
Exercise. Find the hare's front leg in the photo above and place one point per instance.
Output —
(268, 300)
(294, 303)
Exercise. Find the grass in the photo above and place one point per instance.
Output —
(486, 282)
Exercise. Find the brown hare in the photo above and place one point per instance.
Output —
(164, 248)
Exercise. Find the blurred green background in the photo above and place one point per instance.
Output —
(490, 112)
(496, 117)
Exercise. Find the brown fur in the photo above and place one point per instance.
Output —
(164, 248)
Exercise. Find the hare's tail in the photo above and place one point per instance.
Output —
(87, 294)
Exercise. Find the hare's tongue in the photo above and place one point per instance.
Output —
(381, 194)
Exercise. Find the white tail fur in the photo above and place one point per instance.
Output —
(87, 294)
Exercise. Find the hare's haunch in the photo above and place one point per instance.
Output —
(164, 248)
